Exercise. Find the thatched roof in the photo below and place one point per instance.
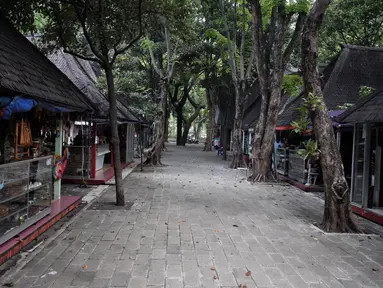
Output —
(83, 75)
(369, 110)
(25, 70)
(352, 68)
(288, 110)
(356, 66)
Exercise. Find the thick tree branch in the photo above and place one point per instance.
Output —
(231, 45)
(194, 80)
(269, 37)
(309, 46)
(82, 56)
(132, 41)
(154, 63)
(193, 103)
(295, 39)
(82, 19)
(258, 38)
(242, 47)
(173, 96)
(171, 60)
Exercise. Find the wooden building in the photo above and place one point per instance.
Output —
(367, 156)
(89, 138)
(35, 97)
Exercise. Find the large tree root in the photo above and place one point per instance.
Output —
(265, 178)
(349, 227)
(152, 158)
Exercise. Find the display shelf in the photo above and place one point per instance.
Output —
(297, 167)
(13, 212)
(8, 224)
(282, 161)
(19, 197)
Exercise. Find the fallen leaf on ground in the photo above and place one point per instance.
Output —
(217, 231)
(212, 268)
(248, 273)
(85, 266)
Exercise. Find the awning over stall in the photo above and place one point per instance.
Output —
(21, 104)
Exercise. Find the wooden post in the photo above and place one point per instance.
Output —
(141, 147)
(224, 144)
(378, 161)
(94, 151)
(128, 142)
(366, 164)
(353, 163)
(58, 152)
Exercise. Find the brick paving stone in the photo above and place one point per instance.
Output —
(193, 215)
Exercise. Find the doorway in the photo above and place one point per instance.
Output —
(376, 179)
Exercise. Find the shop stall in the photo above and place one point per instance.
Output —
(282, 161)
(92, 159)
(25, 194)
(367, 160)
(34, 96)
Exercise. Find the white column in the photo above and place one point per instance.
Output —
(58, 151)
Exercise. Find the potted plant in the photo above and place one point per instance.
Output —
(311, 150)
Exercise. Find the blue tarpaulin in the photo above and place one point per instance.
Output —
(4, 101)
(20, 104)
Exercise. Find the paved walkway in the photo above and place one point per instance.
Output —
(193, 224)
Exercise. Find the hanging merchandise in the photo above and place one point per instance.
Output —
(25, 134)
(59, 164)
(2, 181)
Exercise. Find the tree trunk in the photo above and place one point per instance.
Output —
(263, 140)
(166, 133)
(225, 134)
(240, 101)
(155, 157)
(198, 131)
(179, 126)
(185, 133)
(337, 211)
(211, 121)
(120, 197)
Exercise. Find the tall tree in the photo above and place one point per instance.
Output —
(188, 120)
(165, 75)
(242, 73)
(337, 212)
(274, 41)
(98, 31)
(211, 87)
(179, 105)
(353, 22)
